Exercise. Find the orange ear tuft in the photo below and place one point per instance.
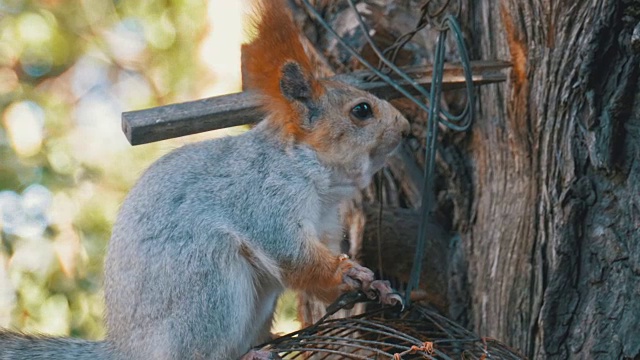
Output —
(277, 43)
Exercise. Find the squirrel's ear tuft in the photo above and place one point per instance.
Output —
(276, 66)
(294, 83)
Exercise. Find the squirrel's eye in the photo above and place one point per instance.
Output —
(362, 111)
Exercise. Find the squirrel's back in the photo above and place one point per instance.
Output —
(224, 180)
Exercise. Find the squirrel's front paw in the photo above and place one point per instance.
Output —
(358, 277)
(354, 276)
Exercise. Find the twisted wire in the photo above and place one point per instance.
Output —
(417, 333)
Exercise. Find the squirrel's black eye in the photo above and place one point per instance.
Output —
(362, 111)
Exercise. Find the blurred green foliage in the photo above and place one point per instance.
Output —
(67, 71)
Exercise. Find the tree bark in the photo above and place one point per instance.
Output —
(555, 242)
(543, 192)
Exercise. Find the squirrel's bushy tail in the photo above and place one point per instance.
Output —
(16, 346)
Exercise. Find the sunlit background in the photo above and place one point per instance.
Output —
(68, 69)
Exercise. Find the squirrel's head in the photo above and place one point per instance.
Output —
(351, 130)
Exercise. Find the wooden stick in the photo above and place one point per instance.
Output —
(170, 121)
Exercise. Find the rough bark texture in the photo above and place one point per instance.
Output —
(553, 249)
(544, 190)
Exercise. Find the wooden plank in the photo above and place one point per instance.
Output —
(175, 120)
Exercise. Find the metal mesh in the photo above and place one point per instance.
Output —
(417, 333)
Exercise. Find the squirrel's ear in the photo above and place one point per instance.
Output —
(294, 83)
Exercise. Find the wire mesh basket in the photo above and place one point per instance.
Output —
(416, 333)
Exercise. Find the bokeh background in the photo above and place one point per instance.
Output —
(68, 69)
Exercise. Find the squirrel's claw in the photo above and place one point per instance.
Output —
(394, 299)
(386, 295)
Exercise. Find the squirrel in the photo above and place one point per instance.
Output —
(213, 232)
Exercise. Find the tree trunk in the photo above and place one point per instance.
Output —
(543, 192)
(554, 247)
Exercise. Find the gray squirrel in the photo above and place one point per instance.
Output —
(213, 232)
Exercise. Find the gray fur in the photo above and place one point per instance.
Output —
(15, 346)
(175, 247)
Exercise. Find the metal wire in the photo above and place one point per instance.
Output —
(418, 333)
(425, 16)
(449, 23)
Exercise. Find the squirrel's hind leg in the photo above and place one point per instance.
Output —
(216, 306)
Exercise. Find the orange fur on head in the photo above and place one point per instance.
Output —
(277, 42)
